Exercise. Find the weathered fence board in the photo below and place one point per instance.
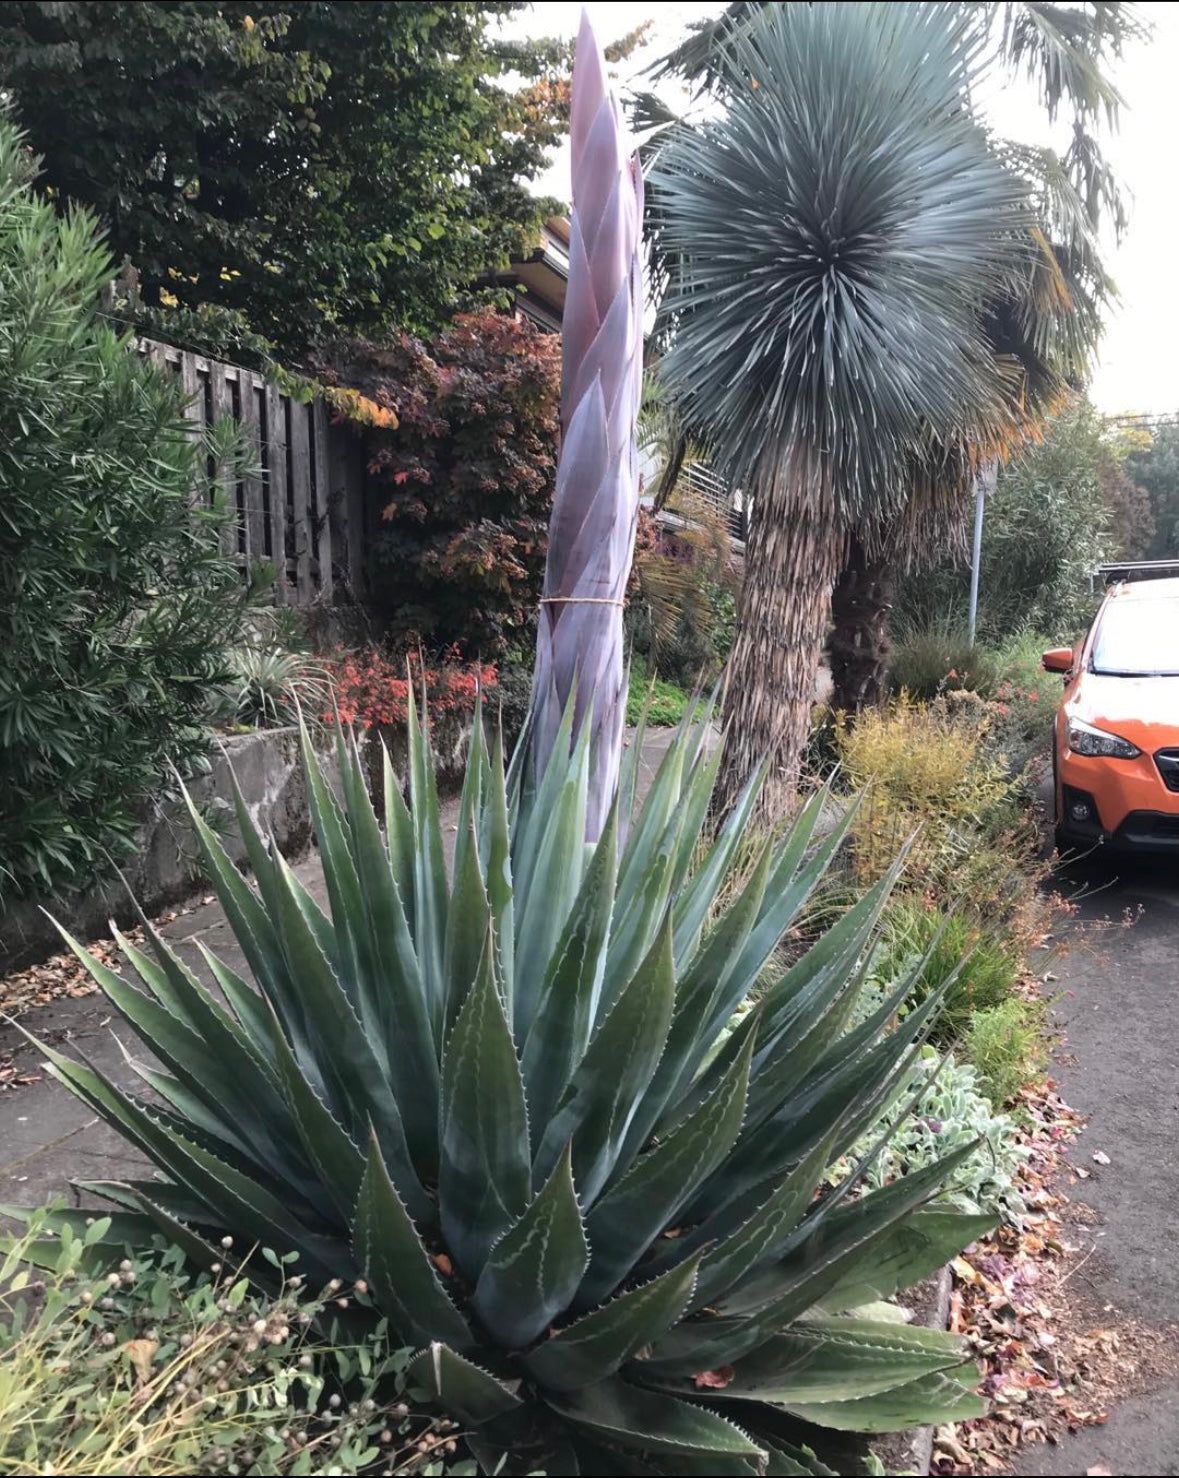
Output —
(300, 505)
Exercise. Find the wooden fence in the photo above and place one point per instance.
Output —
(304, 510)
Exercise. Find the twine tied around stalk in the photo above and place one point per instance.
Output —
(580, 600)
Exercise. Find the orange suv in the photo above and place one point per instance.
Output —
(1115, 753)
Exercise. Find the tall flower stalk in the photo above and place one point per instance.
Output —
(579, 650)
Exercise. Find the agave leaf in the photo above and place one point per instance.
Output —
(823, 1248)
(629, 1217)
(601, 1342)
(393, 992)
(399, 837)
(708, 975)
(222, 1079)
(429, 866)
(390, 1253)
(254, 929)
(651, 1421)
(468, 926)
(533, 1271)
(694, 904)
(476, 778)
(471, 1395)
(660, 816)
(327, 1145)
(227, 1191)
(828, 1243)
(357, 1089)
(846, 1092)
(495, 852)
(177, 988)
(595, 1110)
(838, 1360)
(695, 799)
(930, 1400)
(247, 1004)
(534, 809)
(795, 1462)
(339, 872)
(543, 907)
(911, 1250)
(762, 1236)
(798, 999)
(485, 1176)
(567, 1006)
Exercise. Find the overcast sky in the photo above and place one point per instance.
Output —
(1139, 364)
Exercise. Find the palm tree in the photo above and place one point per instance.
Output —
(829, 242)
(1042, 332)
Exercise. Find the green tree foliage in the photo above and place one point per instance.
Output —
(467, 475)
(290, 171)
(1047, 525)
(1156, 469)
(116, 604)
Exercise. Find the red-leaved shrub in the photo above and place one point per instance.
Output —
(372, 689)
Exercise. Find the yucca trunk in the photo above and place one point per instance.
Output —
(859, 646)
(792, 560)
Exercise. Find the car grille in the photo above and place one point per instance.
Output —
(1167, 761)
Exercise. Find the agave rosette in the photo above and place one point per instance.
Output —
(531, 1065)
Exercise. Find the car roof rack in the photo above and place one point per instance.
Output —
(1143, 569)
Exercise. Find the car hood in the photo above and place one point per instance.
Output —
(1144, 710)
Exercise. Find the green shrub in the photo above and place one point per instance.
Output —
(988, 966)
(140, 1365)
(1025, 704)
(664, 702)
(494, 1102)
(116, 604)
(1006, 1044)
(1047, 526)
(939, 659)
(270, 680)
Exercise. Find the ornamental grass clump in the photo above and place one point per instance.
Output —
(507, 1104)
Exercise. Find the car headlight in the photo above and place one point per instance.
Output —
(1085, 739)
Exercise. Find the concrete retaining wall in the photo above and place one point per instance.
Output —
(163, 868)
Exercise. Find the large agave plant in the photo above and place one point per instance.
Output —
(517, 1110)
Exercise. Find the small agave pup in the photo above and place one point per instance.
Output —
(579, 649)
(505, 1107)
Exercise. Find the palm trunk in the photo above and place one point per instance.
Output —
(792, 559)
(859, 644)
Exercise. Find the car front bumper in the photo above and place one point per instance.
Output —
(1121, 804)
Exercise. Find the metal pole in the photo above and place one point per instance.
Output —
(984, 483)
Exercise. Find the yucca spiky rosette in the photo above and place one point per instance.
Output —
(579, 651)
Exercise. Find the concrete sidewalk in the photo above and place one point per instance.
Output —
(49, 1138)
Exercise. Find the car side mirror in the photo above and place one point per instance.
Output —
(1059, 659)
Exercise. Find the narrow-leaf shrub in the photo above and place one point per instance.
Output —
(507, 1104)
(116, 603)
(113, 1365)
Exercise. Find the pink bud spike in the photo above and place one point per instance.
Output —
(591, 537)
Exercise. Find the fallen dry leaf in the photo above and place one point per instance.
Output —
(713, 1380)
(1101, 1157)
(141, 1352)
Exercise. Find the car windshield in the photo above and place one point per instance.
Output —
(1138, 638)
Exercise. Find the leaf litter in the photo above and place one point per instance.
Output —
(1054, 1356)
